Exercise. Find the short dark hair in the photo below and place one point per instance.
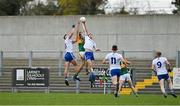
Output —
(158, 53)
(114, 48)
(65, 36)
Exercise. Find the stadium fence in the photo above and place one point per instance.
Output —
(30, 55)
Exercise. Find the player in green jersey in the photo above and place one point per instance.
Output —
(80, 41)
(125, 76)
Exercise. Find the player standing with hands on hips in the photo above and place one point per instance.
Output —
(159, 66)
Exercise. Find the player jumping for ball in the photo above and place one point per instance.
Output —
(89, 46)
(114, 59)
(159, 65)
(80, 41)
(69, 56)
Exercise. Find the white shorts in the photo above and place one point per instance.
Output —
(125, 77)
(81, 54)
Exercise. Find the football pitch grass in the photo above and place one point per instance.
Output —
(84, 99)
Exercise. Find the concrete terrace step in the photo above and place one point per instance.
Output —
(62, 81)
(5, 85)
(141, 67)
(5, 82)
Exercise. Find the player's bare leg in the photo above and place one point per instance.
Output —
(91, 72)
(121, 82)
(86, 66)
(74, 63)
(90, 65)
(171, 88)
(76, 68)
(81, 66)
(115, 81)
(132, 87)
(66, 73)
(161, 83)
(83, 62)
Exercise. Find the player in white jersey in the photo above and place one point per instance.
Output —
(159, 65)
(69, 56)
(114, 59)
(90, 47)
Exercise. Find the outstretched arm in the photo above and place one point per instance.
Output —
(168, 66)
(95, 47)
(154, 69)
(77, 33)
(105, 61)
(71, 32)
(85, 28)
(124, 60)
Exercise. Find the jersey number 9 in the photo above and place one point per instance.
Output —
(159, 64)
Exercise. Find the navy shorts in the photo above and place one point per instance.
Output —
(68, 57)
(115, 72)
(89, 56)
(164, 76)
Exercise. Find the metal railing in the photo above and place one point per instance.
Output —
(58, 55)
(29, 56)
